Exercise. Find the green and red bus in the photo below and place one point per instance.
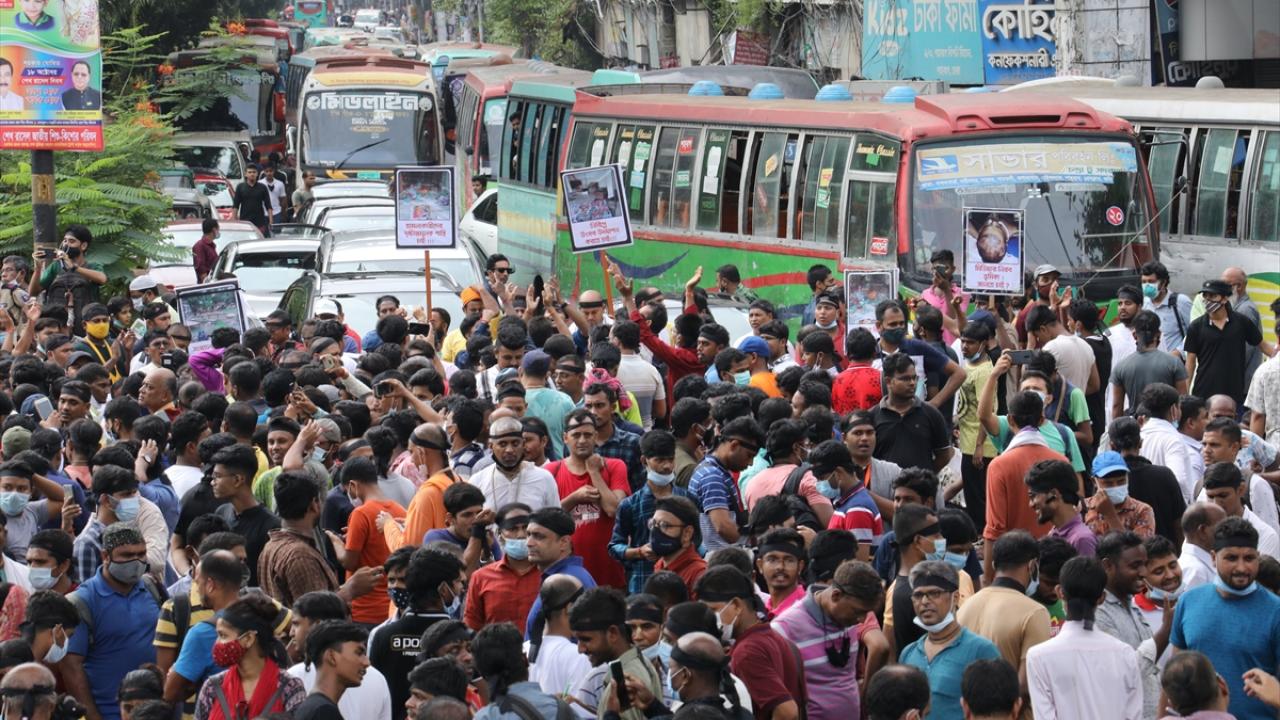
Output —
(775, 186)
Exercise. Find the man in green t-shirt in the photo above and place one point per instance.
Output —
(70, 257)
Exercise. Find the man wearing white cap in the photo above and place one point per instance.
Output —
(329, 309)
(144, 290)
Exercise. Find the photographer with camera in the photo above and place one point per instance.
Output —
(66, 275)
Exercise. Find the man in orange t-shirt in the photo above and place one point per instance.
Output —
(430, 447)
(365, 546)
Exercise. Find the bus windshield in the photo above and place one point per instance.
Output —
(245, 107)
(368, 128)
(1078, 202)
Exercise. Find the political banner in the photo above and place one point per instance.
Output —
(425, 217)
(203, 309)
(50, 75)
(993, 256)
(594, 204)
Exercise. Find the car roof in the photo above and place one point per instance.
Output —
(380, 245)
(361, 209)
(340, 201)
(209, 138)
(239, 225)
(266, 245)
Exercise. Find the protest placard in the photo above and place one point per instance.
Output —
(993, 256)
(425, 217)
(595, 207)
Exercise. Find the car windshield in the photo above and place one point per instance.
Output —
(246, 107)
(338, 222)
(218, 193)
(223, 159)
(460, 269)
(270, 271)
(1078, 203)
(184, 237)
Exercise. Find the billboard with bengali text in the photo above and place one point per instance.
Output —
(50, 75)
(922, 39)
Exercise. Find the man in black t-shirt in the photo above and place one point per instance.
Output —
(1215, 345)
(336, 648)
(435, 584)
(252, 201)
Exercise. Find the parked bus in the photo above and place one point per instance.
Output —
(315, 13)
(450, 84)
(300, 67)
(256, 106)
(775, 186)
(1226, 144)
(360, 117)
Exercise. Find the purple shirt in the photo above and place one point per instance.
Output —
(833, 691)
(1079, 535)
(206, 365)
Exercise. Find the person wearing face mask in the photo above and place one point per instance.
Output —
(677, 553)
(757, 373)
(787, 448)
(505, 590)
(49, 562)
(118, 606)
(891, 324)
(23, 516)
(49, 621)
(216, 583)
(255, 681)
(768, 663)
(828, 315)
(630, 542)
(116, 492)
(97, 331)
(1173, 309)
(1111, 508)
(1006, 611)
(947, 646)
(1209, 618)
(1217, 343)
(510, 479)
(1158, 599)
(434, 583)
(919, 537)
(846, 487)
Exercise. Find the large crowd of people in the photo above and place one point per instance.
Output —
(557, 507)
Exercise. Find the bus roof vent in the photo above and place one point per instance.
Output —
(705, 88)
(900, 94)
(833, 93)
(978, 89)
(766, 91)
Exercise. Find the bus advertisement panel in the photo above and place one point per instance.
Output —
(314, 13)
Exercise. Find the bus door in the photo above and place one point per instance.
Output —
(1213, 195)
(719, 187)
(871, 188)
(1264, 212)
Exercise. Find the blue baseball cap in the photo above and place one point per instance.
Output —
(984, 317)
(1109, 462)
(754, 344)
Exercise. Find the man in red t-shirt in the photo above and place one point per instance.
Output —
(766, 662)
(590, 489)
(858, 386)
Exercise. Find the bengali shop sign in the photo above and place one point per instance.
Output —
(927, 39)
(1019, 40)
(50, 75)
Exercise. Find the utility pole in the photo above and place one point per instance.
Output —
(44, 210)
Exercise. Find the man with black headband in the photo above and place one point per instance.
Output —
(599, 623)
(430, 448)
(947, 647)
(550, 543)
(591, 487)
(768, 663)
(510, 479)
(556, 665)
(677, 553)
(700, 677)
(504, 591)
(825, 626)
(1234, 622)
(29, 692)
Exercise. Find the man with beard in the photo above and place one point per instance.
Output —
(590, 488)
(510, 479)
(1051, 486)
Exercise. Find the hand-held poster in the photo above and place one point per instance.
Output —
(993, 256)
(596, 208)
(204, 308)
(863, 290)
(425, 217)
(50, 75)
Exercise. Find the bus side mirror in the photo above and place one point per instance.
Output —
(291, 140)
(469, 150)
(1180, 185)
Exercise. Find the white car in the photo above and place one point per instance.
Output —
(480, 225)
(362, 217)
(266, 267)
(368, 20)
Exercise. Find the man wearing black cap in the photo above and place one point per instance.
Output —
(550, 542)
(1216, 344)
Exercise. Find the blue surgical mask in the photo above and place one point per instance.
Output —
(742, 378)
(827, 326)
(13, 503)
(454, 608)
(127, 509)
(827, 490)
(939, 550)
(976, 357)
(516, 548)
(660, 479)
(1118, 494)
(1158, 595)
(42, 578)
(1222, 585)
(1033, 587)
(936, 627)
(956, 560)
(1150, 290)
(660, 651)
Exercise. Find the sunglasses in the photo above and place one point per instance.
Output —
(505, 270)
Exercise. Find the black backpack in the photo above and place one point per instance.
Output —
(799, 507)
(72, 290)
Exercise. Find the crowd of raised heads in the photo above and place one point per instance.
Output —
(560, 507)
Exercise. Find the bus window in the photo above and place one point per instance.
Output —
(1221, 160)
(1164, 163)
(559, 127)
(870, 216)
(1264, 225)
(671, 195)
(547, 138)
(587, 148)
(632, 147)
(823, 177)
(720, 185)
(495, 111)
(511, 136)
(528, 137)
(771, 185)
